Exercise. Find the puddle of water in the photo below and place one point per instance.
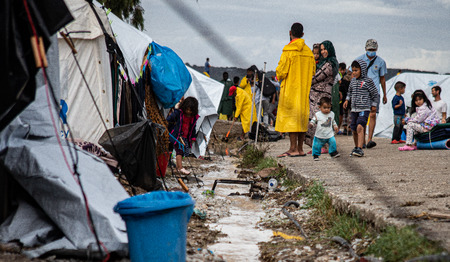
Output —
(241, 242)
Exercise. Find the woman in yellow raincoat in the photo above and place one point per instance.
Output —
(244, 109)
(295, 69)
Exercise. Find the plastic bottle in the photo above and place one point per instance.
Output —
(273, 183)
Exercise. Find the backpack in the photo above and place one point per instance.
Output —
(265, 135)
(269, 87)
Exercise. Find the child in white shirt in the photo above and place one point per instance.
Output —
(324, 119)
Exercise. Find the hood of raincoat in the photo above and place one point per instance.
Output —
(363, 66)
(295, 45)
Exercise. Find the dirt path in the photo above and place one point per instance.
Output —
(385, 186)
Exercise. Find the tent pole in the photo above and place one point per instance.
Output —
(260, 102)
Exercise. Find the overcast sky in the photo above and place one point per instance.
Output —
(413, 34)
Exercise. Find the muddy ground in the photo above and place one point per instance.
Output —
(385, 187)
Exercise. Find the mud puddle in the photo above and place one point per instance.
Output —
(237, 217)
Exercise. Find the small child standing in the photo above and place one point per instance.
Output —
(364, 97)
(425, 119)
(324, 119)
(398, 104)
(182, 130)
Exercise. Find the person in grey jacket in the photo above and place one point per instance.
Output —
(363, 95)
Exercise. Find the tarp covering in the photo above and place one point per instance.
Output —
(89, 41)
(208, 93)
(56, 218)
(413, 81)
(132, 42)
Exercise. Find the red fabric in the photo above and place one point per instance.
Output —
(232, 90)
(185, 126)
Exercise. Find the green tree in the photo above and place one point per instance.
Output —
(130, 11)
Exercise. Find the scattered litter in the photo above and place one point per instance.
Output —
(344, 243)
(200, 214)
(289, 215)
(230, 181)
(283, 235)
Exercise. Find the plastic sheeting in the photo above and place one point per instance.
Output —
(132, 42)
(56, 218)
(413, 81)
(208, 92)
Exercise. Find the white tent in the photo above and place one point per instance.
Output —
(208, 92)
(134, 44)
(89, 41)
(413, 82)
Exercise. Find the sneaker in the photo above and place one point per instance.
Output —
(309, 153)
(394, 142)
(324, 151)
(364, 146)
(358, 152)
(335, 154)
(371, 144)
(316, 158)
(401, 141)
(407, 148)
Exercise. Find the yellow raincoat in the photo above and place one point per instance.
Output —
(296, 69)
(246, 86)
(244, 108)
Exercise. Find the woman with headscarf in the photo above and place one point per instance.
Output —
(322, 83)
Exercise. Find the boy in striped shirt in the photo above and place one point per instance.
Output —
(363, 96)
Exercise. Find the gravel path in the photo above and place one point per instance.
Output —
(385, 186)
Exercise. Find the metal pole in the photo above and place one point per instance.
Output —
(260, 102)
(253, 100)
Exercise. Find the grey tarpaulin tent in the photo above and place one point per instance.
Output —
(56, 218)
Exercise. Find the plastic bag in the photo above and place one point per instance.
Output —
(169, 76)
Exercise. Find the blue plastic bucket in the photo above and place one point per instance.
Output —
(157, 225)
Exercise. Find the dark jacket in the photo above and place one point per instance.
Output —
(226, 102)
(175, 121)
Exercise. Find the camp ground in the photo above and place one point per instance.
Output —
(112, 57)
(86, 173)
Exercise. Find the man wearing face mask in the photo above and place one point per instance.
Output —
(376, 70)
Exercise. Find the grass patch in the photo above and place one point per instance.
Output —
(252, 156)
(402, 244)
(266, 162)
(329, 219)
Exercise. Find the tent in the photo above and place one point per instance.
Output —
(413, 82)
(76, 102)
(134, 45)
(50, 214)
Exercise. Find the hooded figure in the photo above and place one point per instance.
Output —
(362, 92)
(295, 69)
(322, 83)
(244, 108)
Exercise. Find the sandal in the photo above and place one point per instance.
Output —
(184, 172)
(407, 148)
(285, 154)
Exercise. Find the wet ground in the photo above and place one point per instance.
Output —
(386, 186)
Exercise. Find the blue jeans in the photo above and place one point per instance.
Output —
(318, 143)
